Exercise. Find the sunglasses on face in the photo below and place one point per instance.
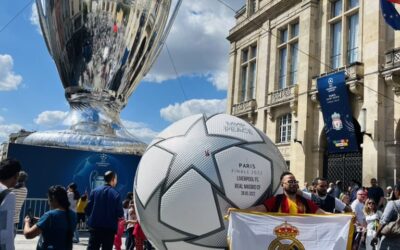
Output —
(292, 182)
(371, 203)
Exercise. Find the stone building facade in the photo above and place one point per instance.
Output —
(278, 50)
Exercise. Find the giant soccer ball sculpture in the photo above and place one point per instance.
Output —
(194, 171)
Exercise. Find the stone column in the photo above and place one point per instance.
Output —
(301, 165)
(232, 84)
(373, 147)
(262, 73)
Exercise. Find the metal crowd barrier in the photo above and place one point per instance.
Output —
(36, 207)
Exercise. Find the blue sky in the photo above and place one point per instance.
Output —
(32, 97)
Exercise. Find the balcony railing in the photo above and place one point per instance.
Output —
(282, 95)
(244, 107)
(391, 70)
(354, 80)
(392, 58)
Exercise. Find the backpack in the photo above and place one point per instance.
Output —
(279, 198)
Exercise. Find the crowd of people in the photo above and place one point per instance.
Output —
(373, 210)
(108, 217)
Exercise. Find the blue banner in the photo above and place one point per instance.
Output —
(48, 166)
(334, 100)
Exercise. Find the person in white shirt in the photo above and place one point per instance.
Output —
(9, 172)
(372, 217)
(325, 201)
(358, 208)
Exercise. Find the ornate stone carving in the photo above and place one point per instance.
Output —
(391, 71)
(244, 107)
(270, 114)
(357, 88)
(283, 95)
(314, 97)
(393, 79)
(293, 107)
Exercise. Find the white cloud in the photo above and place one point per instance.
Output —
(51, 118)
(219, 80)
(140, 130)
(198, 44)
(195, 106)
(35, 18)
(7, 129)
(8, 79)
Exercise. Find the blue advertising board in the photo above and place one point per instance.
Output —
(48, 166)
(334, 100)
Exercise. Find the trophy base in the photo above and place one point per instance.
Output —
(121, 143)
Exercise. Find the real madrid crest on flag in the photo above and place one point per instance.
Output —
(286, 238)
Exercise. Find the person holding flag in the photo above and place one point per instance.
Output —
(289, 202)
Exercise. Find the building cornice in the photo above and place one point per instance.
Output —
(268, 11)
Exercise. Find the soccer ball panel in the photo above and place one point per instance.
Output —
(245, 175)
(279, 165)
(156, 162)
(154, 141)
(185, 246)
(188, 205)
(217, 239)
(154, 230)
(180, 127)
(223, 124)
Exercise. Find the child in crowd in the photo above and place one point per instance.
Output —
(80, 211)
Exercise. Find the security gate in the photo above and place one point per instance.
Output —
(344, 167)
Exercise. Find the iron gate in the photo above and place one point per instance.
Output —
(344, 167)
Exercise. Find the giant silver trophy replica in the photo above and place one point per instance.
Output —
(102, 49)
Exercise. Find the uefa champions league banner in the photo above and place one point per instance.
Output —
(334, 100)
(48, 166)
(271, 231)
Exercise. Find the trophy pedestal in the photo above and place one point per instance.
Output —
(99, 143)
(93, 129)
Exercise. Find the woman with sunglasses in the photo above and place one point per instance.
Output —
(372, 216)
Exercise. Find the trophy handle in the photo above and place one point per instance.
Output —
(164, 36)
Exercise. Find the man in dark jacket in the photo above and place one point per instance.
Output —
(103, 210)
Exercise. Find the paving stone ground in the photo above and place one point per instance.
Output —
(23, 244)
